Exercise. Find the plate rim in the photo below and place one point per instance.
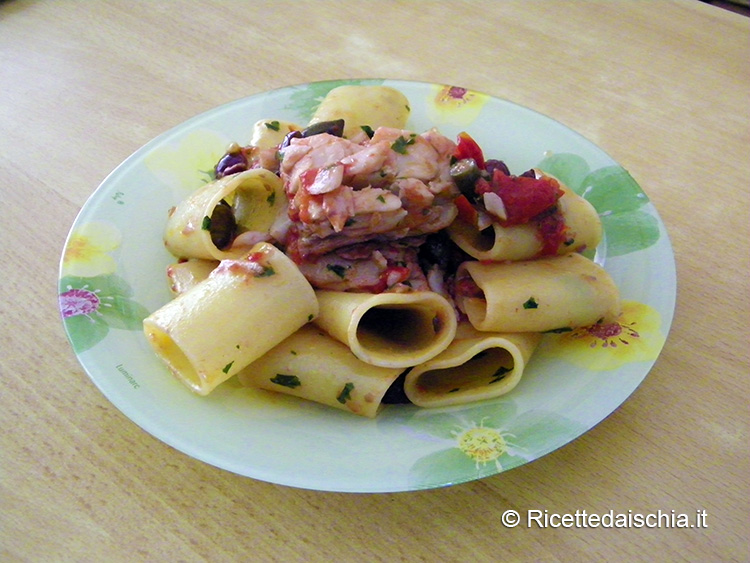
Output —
(668, 268)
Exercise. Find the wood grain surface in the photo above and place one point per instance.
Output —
(662, 86)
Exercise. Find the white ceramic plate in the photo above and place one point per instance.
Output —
(112, 275)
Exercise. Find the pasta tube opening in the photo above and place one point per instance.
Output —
(560, 292)
(485, 368)
(175, 359)
(389, 329)
(209, 333)
(475, 366)
(403, 329)
(525, 241)
(225, 218)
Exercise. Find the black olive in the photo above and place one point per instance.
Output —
(289, 136)
(493, 164)
(231, 163)
(439, 250)
(223, 225)
(335, 128)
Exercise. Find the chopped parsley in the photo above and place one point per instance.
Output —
(285, 380)
(346, 393)
(500, 374)
(267, 272)
(337, 269)
(381, 199)
(400, 144)
(310, 317)
(271, 199)
(206, 224)
(227, 367)
(368, 130)
(273, 125)
(531, 304)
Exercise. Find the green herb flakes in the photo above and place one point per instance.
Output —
(400, 145)
(206, 224)
(337, 269)
(285, 380)
(368, 130)
(271, 199)
(267, 272)
(500, 374)
(227, 367)
(531, 304)
(273, 125)
(346, 393)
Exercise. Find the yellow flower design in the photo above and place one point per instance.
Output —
(87, 252)
(484, 445)
(191, 163)
(456, 105)
(634, 337)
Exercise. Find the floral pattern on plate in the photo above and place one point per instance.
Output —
(107, 287)
(92, 297)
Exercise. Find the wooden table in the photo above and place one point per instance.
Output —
(661, 86)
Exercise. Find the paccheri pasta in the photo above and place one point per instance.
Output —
(353, 262)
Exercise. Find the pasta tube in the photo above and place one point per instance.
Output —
(312, 365)
(206, 335)
(269, 133)
(186, 275)
(553, 293)
(477, 365)
(523, 242)
(206, 224)
(374, 106)
(388, 329)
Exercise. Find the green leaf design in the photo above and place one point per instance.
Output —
(91, 306)
(538, 432)
(612, 190)
(615, 195)
(85, 332)
(628, 232)
(569, 168)
(307, 99)
(110, 284)
(124, 313)
(444, 423)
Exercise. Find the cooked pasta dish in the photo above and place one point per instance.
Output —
(355, 263)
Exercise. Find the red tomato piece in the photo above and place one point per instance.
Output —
(524, 197)
(467, 147)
